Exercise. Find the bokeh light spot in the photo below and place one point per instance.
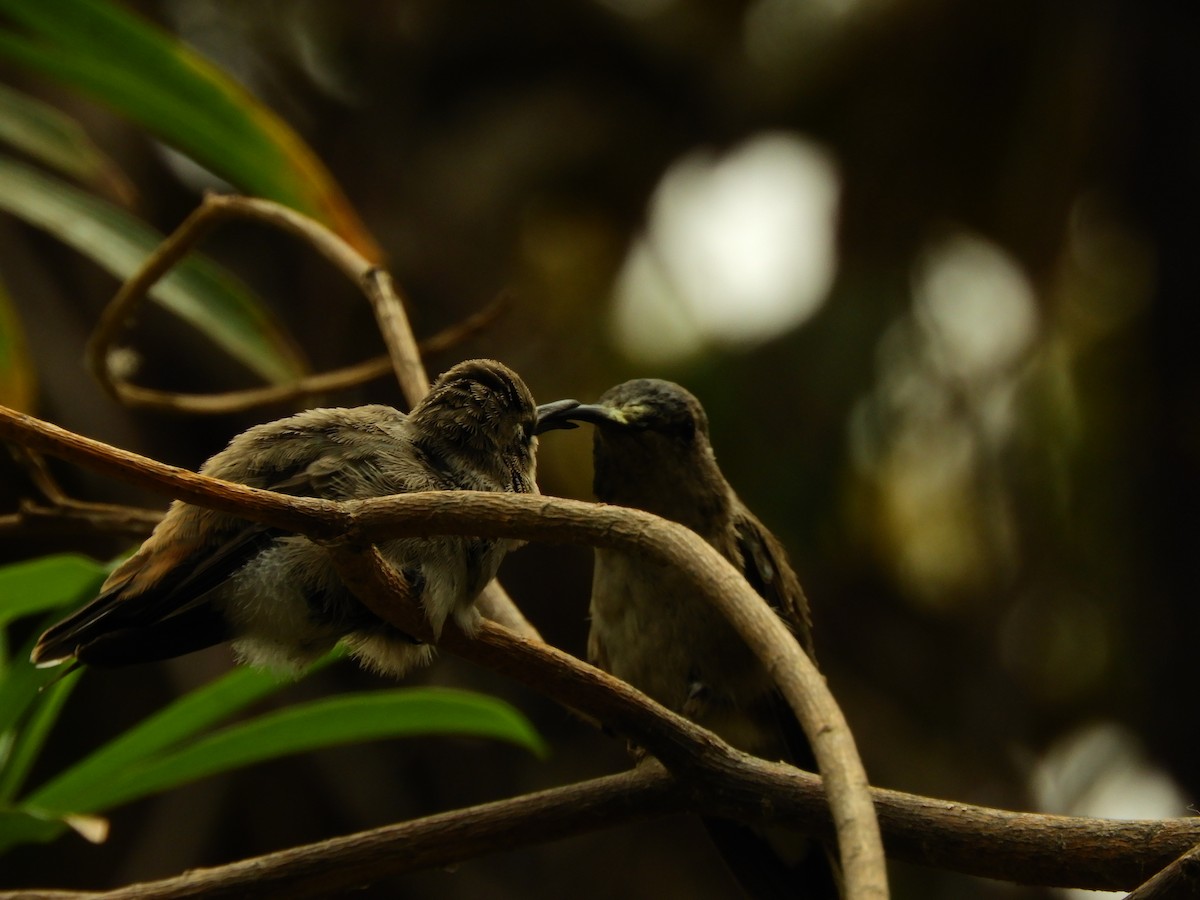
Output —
(739, 250)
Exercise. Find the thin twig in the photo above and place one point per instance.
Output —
(334, 867)
(77, 517)
(39, 473)
(404, 354)
(166, 256)
(61, 514)
(225, 402)
(403, 350)
(476, 322)
(213, 211)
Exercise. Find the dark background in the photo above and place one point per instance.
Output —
(1000, 554)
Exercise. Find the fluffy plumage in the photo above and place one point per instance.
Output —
(203, 577)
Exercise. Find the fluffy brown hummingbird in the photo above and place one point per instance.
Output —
(649, 627)
(203, 577)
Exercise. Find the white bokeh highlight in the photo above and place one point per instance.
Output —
(1103, 770)
(975, 303)
(738, 250)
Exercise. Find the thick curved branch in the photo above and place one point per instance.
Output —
(403, 352)
(1035, 849)
(1101, 854)
(678, 742)
(214, 210)
(555, 520)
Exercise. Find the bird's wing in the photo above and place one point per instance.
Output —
(325, 477)
(152, 606)
(156, 604)
(351, 466)
(766, 568)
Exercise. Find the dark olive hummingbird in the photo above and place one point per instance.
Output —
(650, 627)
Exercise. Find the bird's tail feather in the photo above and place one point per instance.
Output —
(194, 629)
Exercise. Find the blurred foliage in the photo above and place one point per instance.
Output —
(170, 748)
(197, 291)
(176, 95)
(979, 442)
(16, 369)
(158, 83)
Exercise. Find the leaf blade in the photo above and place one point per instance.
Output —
(28, 741)
(402, 712)
(174, 93)
(46, 583)
(197, 290)
(178, 721)
(56, 140)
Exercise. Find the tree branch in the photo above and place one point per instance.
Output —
(1064, 851)
(1037, 849)
(77, 517)
(404, 353)
(60, 514)
(553, 520)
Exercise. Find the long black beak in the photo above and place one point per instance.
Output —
(555, 415)
(567, 413)
(596, 414)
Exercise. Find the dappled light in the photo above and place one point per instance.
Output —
(739, 249)
(975, 306)
(930, 435)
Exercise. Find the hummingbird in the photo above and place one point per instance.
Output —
(204, 577)
(652, 451)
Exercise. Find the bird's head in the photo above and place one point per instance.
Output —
(481, 408)
(645, 408)
(651, 445)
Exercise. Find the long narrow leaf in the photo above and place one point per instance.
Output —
(21, 687)
(56, 140)
(48, 582)
(179, 721)
(27, 743)
(32, 699)
(403, 712)
(197, 291)
(174, 93)
(19, 826)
